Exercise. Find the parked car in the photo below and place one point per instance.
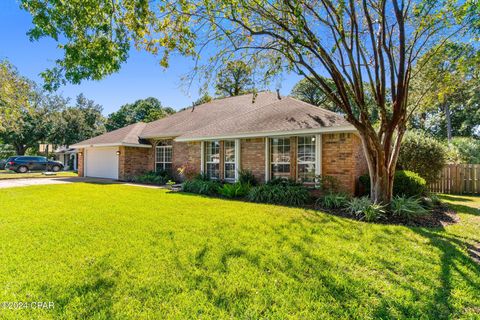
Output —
(4, 162)
(23, 164)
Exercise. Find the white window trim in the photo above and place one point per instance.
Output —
(283, 162)
(318, 155)
(163, 162)
(267, 159)
(238, 165)
(234, 160)
(219, 160)
(315, 161)
(202, 157)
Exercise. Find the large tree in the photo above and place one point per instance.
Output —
(75, 123)
(146, 110)
(234, 79)
(17, 94)
(374, 43)
(451, 106)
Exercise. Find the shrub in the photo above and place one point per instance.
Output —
(422, 154)
(332, 201)
(409, 184)
(234, 190)
(407, 208)
(201, 186)
(152, 177)
(466, 150)
(283, 182)
(279, 194)
(327, 184)
(373, 212)
(246, 177)
(406, 183)
(357, 206)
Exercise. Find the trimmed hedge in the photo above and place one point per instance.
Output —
(406, 183)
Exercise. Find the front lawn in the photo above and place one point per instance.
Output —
(125, 252)
(13, 175)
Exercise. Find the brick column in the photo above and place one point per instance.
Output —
(81, 156)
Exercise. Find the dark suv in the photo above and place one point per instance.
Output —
(23, 164)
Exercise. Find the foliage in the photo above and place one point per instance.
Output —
(203, 99)
(234, 190)
(409, 184)
(422, 154)
(328, 184)
(332, 201)
(311, 93)
(451, 105)
(406, 183)
(246, 177)
(143, 110)
(465, 150)
(72, 124)
(17, 94)
(186, 172)
(201, 186)
(234, 79)
(153, 177)
(379, 51)
(6, 151)
(373, 212)
(357, 206)
(284, 182)
(407, 207)
(280, 193)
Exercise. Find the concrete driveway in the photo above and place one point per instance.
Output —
(11, 183)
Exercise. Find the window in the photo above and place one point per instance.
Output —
(280, 157)
(163, 156)
(229, 160)
(306, 158)
(212, 159)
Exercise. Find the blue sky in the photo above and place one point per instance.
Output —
(140, 77)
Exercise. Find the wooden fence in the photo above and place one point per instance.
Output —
(458, 179)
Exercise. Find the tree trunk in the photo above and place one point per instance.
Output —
(20, 149)
(449, 122)
(381, 163)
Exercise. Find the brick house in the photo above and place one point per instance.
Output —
(263, 133)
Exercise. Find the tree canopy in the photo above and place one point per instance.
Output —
(234, 79)
(146, 110)
(358, 44)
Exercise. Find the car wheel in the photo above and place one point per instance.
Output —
(56, 168)
(22, 169)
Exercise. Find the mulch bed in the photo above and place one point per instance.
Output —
(440, 216)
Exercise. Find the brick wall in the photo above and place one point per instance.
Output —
(81, 155)
(252, 156)
(342, 158)
(187, 155)
(135, 161)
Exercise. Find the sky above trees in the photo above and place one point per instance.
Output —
(139, 78)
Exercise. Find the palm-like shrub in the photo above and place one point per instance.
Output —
(357, 206)
(234, 190)
(373, 212)
(407, 208)
(332, 201)
(199, 186)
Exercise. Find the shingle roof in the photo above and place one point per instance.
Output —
(287, 114)
(203, 115)
(128, 135)
(238, 116)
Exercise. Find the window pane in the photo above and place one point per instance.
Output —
(212, 159)
(163, 156)
(229, 171)
(306, 158)
(280, 157)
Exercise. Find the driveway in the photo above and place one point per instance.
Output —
(11, 183)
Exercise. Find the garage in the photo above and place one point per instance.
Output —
(101, 162)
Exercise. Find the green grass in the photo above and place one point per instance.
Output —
(13, 175)
(121, 252)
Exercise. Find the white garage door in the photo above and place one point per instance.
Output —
(101, 162)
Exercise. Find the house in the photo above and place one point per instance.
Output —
(67, 156)
(264, 133)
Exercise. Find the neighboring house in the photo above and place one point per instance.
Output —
(268, 135)
(68, 157)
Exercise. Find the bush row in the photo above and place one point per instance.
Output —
(406, 183)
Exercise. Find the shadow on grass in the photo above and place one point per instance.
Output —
(455, 198)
